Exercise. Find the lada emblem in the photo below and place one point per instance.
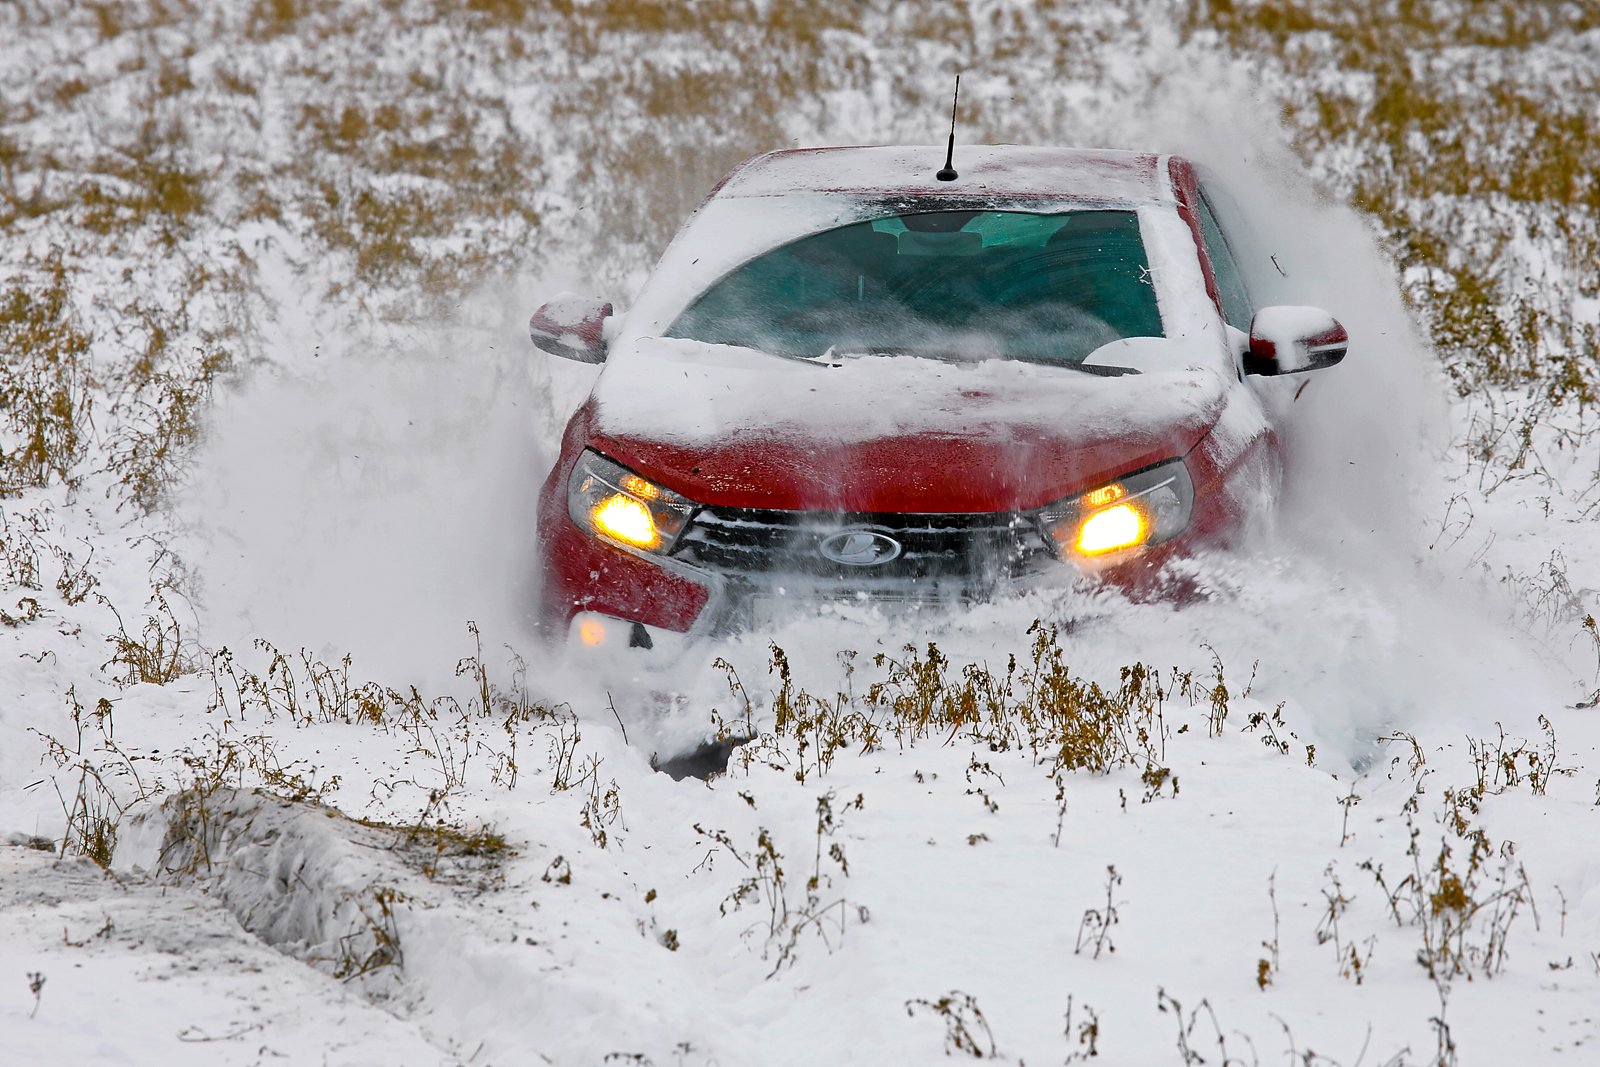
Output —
(860, 547)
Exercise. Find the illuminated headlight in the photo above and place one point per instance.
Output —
(616, 505)
(1141, 509)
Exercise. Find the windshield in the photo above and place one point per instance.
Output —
(1045, 288)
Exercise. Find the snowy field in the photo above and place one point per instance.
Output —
(285, 777)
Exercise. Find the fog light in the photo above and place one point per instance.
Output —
(591, 631)
(595, 637)
(1121, 526)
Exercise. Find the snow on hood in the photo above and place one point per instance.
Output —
(736, 427)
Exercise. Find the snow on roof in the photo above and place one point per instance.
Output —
(985, 170)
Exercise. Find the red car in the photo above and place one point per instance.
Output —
(849, 379)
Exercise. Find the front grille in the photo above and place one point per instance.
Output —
(971, 553)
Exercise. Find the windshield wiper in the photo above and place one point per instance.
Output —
(823, 359)
(1104, 370)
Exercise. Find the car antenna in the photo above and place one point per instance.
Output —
(948, 174)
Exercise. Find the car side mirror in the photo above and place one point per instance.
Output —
(1288, 340)
(571, 327)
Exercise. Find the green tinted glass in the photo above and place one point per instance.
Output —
(960, 284)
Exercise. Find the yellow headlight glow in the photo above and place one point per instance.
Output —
(627, 520)
(1121, 526)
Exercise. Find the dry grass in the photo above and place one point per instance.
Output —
(411, 176)
(45, 389)
(1063, 721)
(159, 652)
(108, 779)
(1470, 147)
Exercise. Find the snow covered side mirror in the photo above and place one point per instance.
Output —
(571, 327)
(1288, 340)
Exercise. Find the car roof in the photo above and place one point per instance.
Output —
(986, 171)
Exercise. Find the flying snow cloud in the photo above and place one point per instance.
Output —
(372, 491)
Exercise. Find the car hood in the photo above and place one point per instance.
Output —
(736, 428)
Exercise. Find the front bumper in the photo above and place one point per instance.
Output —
(597, 595)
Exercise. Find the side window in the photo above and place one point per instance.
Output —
(1236, 307)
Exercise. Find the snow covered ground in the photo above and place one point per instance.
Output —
(264, 580)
